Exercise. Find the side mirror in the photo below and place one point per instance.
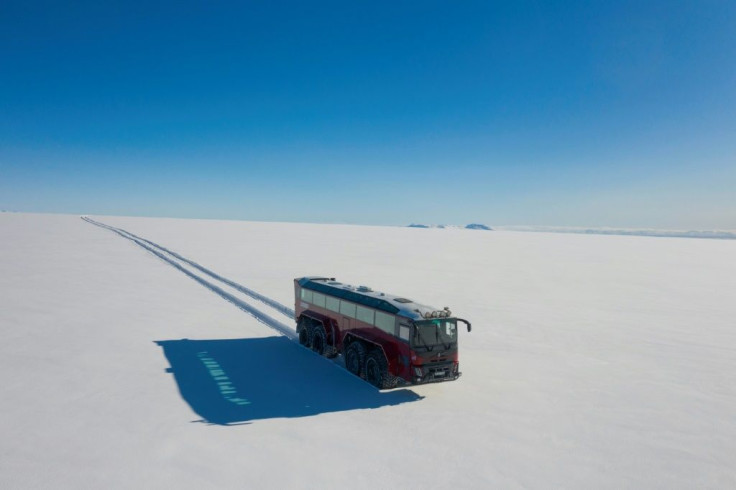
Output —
(466, 323)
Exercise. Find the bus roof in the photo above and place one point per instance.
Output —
(396, 305)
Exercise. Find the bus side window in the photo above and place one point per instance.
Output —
(347, 309)
(404, 331)
(318, 299)
(333, 304)
(364, 314)
(385, 322)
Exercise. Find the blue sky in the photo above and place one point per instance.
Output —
(615, 114)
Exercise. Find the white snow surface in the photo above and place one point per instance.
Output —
(594, 362)
(653, 232)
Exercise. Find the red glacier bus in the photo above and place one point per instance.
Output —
(384, 339)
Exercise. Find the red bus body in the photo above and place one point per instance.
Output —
(418, 343)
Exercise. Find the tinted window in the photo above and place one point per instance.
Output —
(307, 295)
(385, 322)
(404, 331)
(318, 299)
(333, 304)
(365, 314)
(347, 309)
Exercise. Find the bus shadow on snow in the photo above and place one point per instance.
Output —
(234, 381)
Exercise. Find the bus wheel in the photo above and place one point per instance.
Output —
(304, 331)
(330, 351)
(376, 371)
(354, 358)
(319, 339)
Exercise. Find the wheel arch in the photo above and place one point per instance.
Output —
(329, 324)
(371, 345)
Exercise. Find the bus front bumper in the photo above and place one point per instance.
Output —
(434, 373)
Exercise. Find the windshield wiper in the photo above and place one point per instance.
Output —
(426, 345)
(438, 339)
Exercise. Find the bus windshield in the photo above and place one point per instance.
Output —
(440, 332)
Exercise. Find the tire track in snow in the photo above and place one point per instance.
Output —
(257, 296)
(253, 294)
(251, 310)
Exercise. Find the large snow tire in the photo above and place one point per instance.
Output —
(319, 339)
(355, 358)
(376, 371)
(330, 351)
(305, 333)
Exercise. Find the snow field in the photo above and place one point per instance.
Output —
(594, 361)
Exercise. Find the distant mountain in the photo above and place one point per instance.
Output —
(416, 225)
(472, 226)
